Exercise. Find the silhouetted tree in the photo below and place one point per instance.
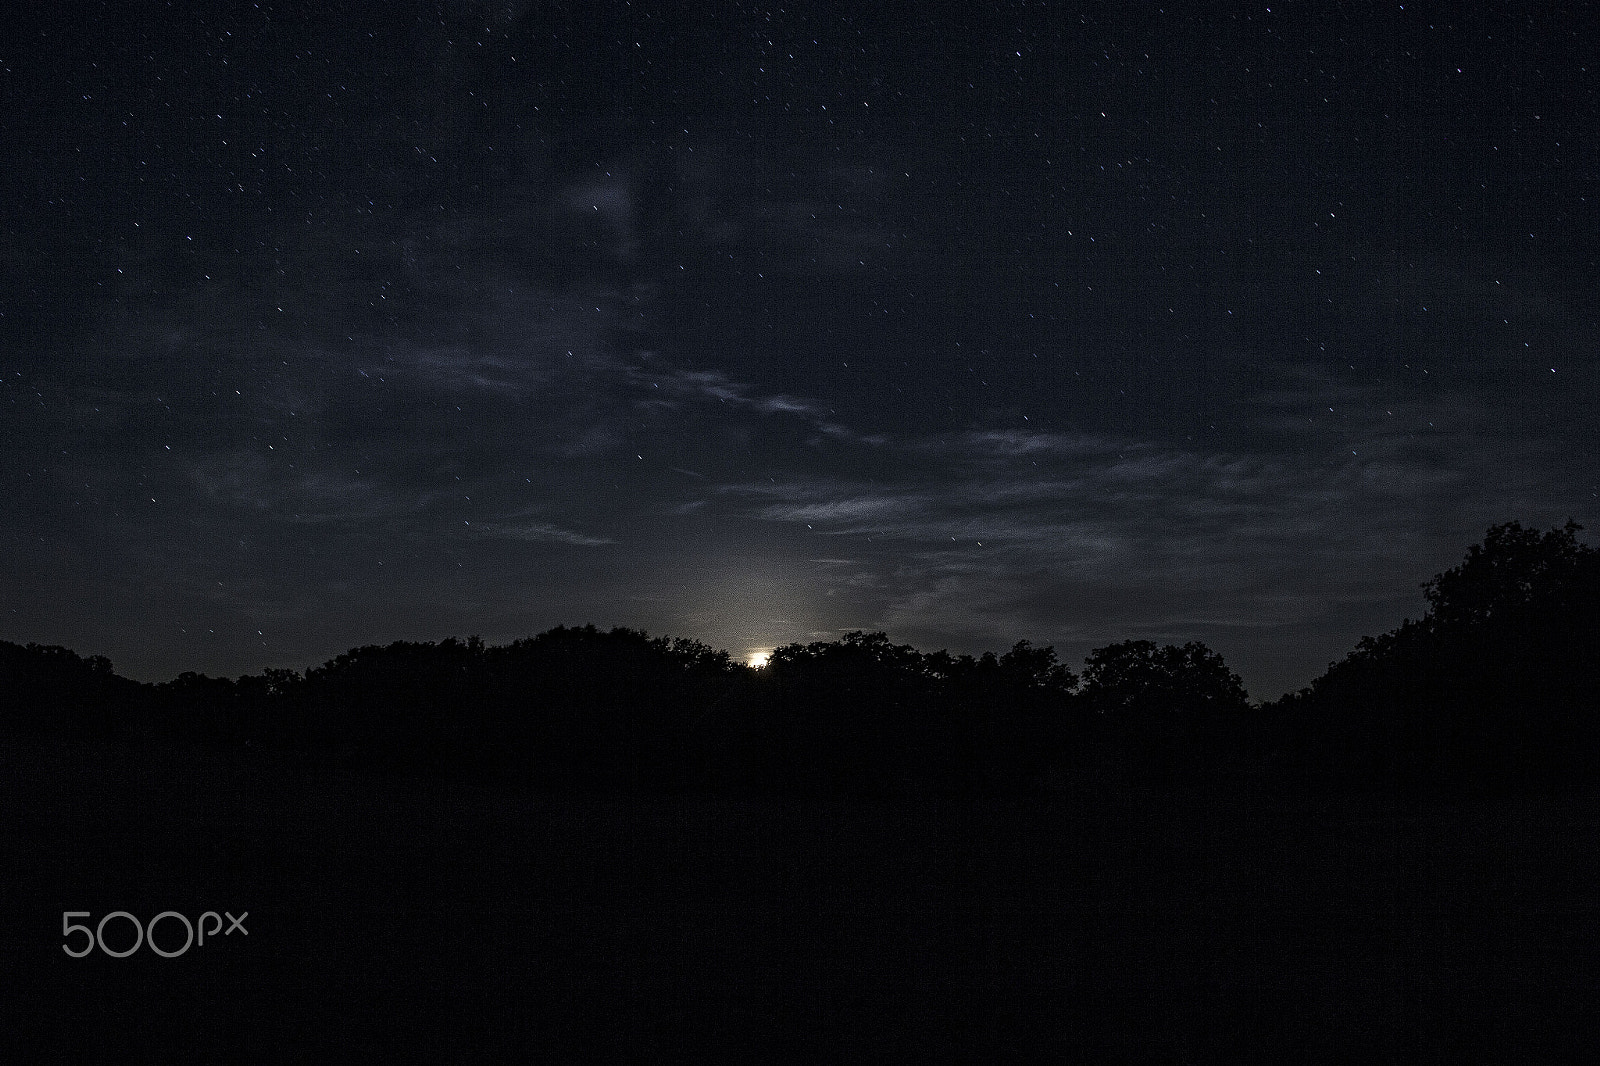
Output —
(1168, 712)
(1514, 570)
(1137, 676)
(865, 714)
(618, 706)
(1009, 721)
(1494, 687)
(838, 714)
(51, 690)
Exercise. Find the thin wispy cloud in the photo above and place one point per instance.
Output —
(537, 531)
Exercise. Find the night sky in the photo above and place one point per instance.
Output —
(325, 324)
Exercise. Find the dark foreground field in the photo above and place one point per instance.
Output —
(394, 920)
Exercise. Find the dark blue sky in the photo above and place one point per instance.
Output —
(324, 325)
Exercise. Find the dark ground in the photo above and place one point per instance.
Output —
(396, 920)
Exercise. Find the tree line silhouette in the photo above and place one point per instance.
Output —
(1495, 687)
